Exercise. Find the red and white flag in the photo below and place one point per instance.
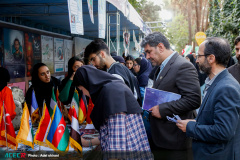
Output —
(75, 138)
(7, 129)
(43, 128)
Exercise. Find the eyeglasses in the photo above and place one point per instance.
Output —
(93, 58)
(197, 56)
(134, 65)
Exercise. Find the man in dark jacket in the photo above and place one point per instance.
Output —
(175, 74)
(215, 131)
(235, 69)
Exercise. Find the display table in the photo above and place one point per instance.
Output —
(41, 152)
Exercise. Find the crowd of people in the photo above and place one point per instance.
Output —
(209, 106)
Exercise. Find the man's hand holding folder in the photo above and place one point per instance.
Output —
(154, 97)
(155, 111)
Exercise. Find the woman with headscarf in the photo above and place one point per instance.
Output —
(119, 59)
(143, 68)
(190, 58)
(42, 84)
(67, 88)
(6, 93)
(201, 76)
(116, 113)
(129, 63)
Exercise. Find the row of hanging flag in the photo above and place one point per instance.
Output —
(52, 130)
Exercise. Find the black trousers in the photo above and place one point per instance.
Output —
(167, 154)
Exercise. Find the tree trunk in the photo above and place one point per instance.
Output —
(200, 13)
(189, 22)
(197, 15)
(194, 44)
(207, 20)
(203, 15)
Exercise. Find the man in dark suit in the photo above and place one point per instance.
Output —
(235, 69)
(175, 74)
(216, 130)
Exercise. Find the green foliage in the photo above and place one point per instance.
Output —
(147, 10)
(137, 4)
(225, 22)
(227, 6)
(150, 12)
(216, 13)
(177, 32)
(211, 11)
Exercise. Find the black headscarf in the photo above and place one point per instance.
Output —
(43, 91)
(145, 70)
(129, 79)
(201, 76)
(118, 59)
(109, 94)
(5, 77)
(65, 80)
(143, 55)
(192, 59)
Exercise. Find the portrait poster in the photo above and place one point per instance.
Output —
(14, 59)
(47, 52)
(13, 47)
(58, 50)
(33, 50)
(101, 18)
(59, 67)
(20, 85)
(75, 16)
(90, 8)
(68, 45)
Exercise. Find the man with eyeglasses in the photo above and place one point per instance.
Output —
(97, 54)
(174, 74)
(216, 130)
(235, 69)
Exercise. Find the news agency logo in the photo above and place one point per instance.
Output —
(15, 155)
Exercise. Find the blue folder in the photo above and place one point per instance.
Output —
(155, 97)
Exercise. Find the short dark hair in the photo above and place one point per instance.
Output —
(220, 48)
(94, 47)
(154, 39)
(237, 40)
(16, 40)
